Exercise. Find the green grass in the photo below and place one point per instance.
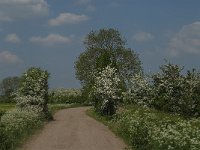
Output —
(92, 113)
(144, 128)
(6, 106)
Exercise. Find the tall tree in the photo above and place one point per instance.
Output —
(102, 48)
(9, 85)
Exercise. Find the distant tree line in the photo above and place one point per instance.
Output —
(8, 86)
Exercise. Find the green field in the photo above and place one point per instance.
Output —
(5, 107)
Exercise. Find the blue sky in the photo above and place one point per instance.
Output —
(49, 33)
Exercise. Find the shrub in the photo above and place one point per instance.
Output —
(139, 92)
(106, 92)
(17, 124)
(1, 113)
(30, 103)
(168, 91)
(33, 90)
(177, 93)
(148, 129)
(67, 96)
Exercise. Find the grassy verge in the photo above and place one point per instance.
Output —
(148, 129)
(6, 106)
(16, 125)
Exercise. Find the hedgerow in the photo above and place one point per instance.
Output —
(66, 96)
(168, 91)
(148, 129)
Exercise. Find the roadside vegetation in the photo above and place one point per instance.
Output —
(150, 112)
(160, 111)
(29, 109)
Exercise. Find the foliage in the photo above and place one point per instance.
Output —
(168, 91)
(33, 90)
(7, 87)
(105, 47)
(17, 124)
(177, 93)
(139, 91)
(66, 96)
(168, 88)
(106, 92)
(150, 129)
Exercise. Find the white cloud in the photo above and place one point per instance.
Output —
(13, 38)
(142, 36)
(187, 40)
(68, 18)
(51, 40)
(11, 10)
(7, 57)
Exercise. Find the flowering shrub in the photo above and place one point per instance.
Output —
(16, 124)
(168, 88)
(30, 103)
(32, 98)
(106, 92)
(65, 96)
(139, 92)
(148, 129)
(33, 90)
(174, 92)
(168, 91)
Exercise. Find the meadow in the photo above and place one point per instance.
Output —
(5, 107)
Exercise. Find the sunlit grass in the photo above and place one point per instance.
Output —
(6, 106)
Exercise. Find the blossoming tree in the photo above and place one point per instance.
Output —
(33, 91)
(106, 91)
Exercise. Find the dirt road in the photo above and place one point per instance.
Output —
(74, 130)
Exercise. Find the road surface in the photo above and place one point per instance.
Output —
(72, 129)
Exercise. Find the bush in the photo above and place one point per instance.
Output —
(106, 92)
(148, 129)
(168, 91)
(1, 113)
(139, 92)
(17, 124)
(177, 93)
(66, 96)
(33, 90)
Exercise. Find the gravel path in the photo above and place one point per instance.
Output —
(74, 130)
